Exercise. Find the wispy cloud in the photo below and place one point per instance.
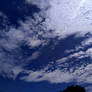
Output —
(54, 20)
(60, 16)
(81, 75)
(34, 55)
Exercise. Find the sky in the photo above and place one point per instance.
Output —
(45, 45)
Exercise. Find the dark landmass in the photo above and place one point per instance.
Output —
(74, 89)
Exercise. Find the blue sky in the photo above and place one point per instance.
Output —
(45, 45)
(17, 86)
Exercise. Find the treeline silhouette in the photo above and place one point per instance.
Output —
(74, 89)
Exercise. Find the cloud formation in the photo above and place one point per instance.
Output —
(57, 18)
(81, 75)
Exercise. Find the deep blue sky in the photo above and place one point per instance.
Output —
(8, 85)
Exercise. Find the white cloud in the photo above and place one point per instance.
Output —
(60, 17)
(34, 55)
(30, 33)
(87, 42)
(78, 55)
(56, 76)
(34, 43)
(80, 75)
(61, 14)
(81, 46)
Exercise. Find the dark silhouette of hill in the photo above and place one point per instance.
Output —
(74, 89)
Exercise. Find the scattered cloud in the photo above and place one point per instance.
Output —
(57, 18)
(81, 75)
(63, 22)
(34, 55)
(78, 55)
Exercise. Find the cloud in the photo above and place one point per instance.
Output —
(56, 76)
(81, 75)
(63, 21)
(59, 16)
(87, 42)
(77, 55)
(34, 55)
(31, 33)
(56, 19)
